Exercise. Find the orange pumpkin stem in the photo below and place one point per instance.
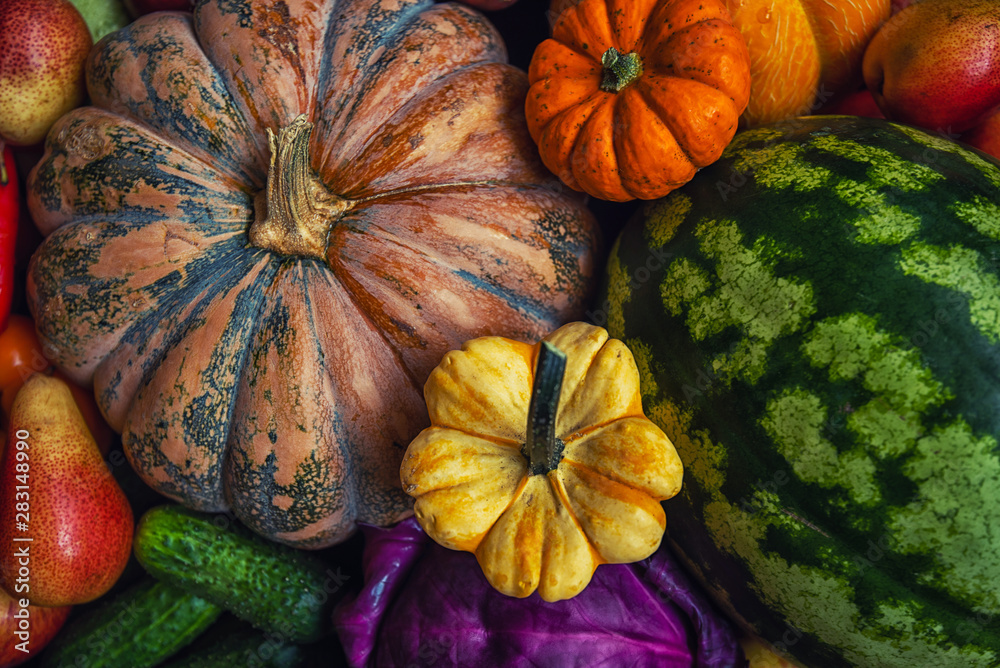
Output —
(542, 449)
(619, 69)
(295, 212)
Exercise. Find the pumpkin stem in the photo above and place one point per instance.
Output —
(542, 449)
(295, 212)
(619, 69)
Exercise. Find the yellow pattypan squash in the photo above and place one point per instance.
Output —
(540, 460)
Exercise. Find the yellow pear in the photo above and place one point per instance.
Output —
(43, 48)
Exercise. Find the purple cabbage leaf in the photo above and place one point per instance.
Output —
(425, 605)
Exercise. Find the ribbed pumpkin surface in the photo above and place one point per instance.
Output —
(284, 384)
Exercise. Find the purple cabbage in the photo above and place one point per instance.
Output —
(425, 605)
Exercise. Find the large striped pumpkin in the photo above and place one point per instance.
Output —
(816, 318)
(271, 225)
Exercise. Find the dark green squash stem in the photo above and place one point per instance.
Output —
(542, 449)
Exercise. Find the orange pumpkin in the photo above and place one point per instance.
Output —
(803, 53)
(273, 222)
(629, 98)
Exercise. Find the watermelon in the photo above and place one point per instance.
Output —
(816, 318)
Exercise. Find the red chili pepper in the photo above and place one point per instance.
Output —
(9, 213)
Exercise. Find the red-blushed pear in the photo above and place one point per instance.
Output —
(26, 630)
(43, 47)
(78, 519)
(936, 64)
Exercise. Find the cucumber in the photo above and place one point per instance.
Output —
(246, 647)
(138, 628)
(281, 590)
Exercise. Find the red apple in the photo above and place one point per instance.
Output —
(26, 629)
(43, 46)
(936, 64)
(57, 491)
(858, 103)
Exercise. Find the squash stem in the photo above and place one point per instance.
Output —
(295, 212)
(542, 448)
(619, 70)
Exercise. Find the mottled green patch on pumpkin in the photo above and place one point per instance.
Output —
(671, 418)
(900, 376)
(664, 217)
(852, 345)
(704, 461)
(748, 294)
(782, 166)
(845, 344)
(748, 140)
(747, 361)
(958, 479)
(643, 356)
(962, 269)
(683, 282)
(981, 213)
(822, 600)
(894, 431)
(795, 421)
(886, 169)
(877, 221)
(947, 146)
(619, 290)
(903, 629)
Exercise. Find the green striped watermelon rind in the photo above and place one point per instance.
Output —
(816, 319)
